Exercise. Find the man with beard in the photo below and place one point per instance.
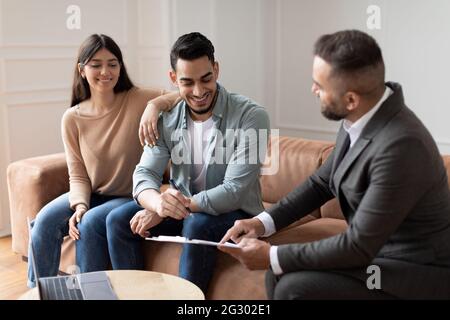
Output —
(211, 138)
(389, 179)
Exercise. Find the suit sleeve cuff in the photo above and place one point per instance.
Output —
(267, 221)
(274, 263)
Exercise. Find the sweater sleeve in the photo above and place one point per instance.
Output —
(161, 98)
(80, 184)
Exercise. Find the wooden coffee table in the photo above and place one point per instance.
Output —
(144, 285)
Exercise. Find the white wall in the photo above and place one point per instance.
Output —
(417, 51)
(264, 48)
(297, 25)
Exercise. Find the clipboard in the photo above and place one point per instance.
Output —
(179, 239)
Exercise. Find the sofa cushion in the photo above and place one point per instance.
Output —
(331, 209)
(67, 255)
(231, 280)
(297, 160)
(32, 183)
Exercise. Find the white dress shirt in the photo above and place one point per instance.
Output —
(354, 130)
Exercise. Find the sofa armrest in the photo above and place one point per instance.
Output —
(32, 183)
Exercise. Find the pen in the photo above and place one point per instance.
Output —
(175, 186)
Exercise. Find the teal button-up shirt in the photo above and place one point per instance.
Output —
(237, 149)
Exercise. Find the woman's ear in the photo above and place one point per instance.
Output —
(81, 71)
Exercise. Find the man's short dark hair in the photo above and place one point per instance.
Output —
(191, 46)
(355, 59)
(348, 50)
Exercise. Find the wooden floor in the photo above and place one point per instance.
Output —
(13, 272)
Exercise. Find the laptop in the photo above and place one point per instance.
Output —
(82, 286)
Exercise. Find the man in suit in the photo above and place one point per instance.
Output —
(389, 179)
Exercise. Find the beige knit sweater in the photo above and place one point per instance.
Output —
(103, 151)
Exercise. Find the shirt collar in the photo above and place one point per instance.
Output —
(354, 129)
(219, 105)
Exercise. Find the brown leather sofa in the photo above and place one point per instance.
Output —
(34, 182)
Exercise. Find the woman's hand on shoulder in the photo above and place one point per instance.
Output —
(148, 127)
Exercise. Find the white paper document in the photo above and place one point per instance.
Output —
(193, 241)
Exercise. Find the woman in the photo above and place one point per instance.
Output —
(102, 147)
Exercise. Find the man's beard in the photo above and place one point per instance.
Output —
(200, 112)
(331, 114)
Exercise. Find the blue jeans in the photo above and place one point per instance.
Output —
(197, 262)
(51, 226)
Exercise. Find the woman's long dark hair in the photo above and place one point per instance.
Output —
(95, 42)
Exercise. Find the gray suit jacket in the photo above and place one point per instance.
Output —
(392, 188)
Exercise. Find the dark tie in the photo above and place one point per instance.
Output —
(343, 151)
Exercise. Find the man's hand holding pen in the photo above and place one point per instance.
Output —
(183, 199)
(172, 203)
(158, 206)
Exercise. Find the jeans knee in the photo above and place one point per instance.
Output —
(118, 221)
(45, 227)
(90, 225)
(197, 226)
(113, 219)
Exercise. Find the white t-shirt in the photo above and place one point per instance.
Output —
(200, 133)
